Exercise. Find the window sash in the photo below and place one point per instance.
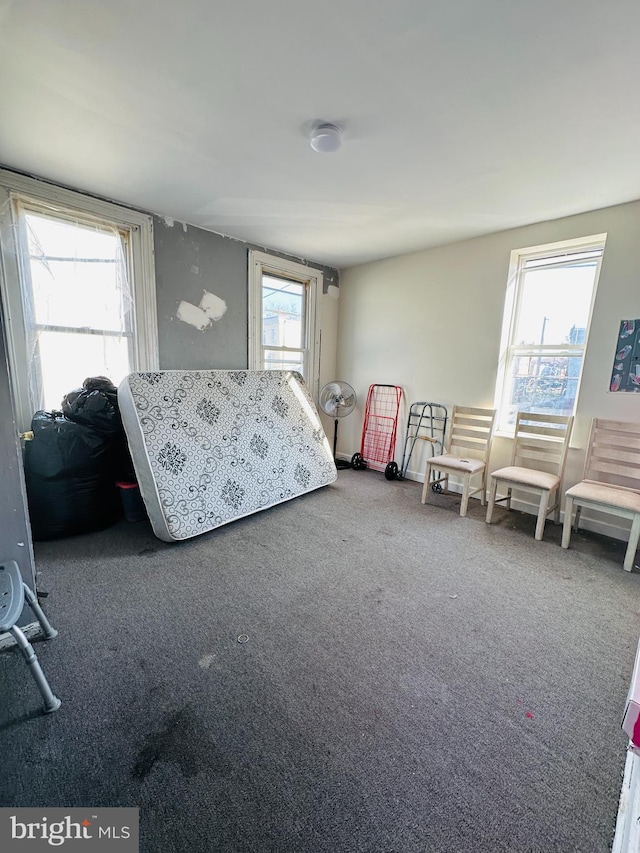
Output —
(547, 349)
(40, 197)
(42, 381)
(304, 297)
(303, 350)
(575, 259)
(574, 253)
(261, 263)
(290, 363)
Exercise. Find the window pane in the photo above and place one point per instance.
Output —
(67, 359)
(282, 312)
(63, 238)
(554, 305)
(278, 360)
(78, 275)
(545, 384)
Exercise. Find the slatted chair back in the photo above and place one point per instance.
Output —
(613, 455)
(468, 445)
(471, 432)
(542, 441)
(611, 481)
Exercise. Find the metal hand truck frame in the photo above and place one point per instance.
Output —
(379, 429)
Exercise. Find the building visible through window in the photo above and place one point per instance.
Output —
(283, 328)
(547, 314)
(283, 333)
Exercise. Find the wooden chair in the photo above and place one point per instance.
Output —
(537, 465)
(466, 453)
(611, 480)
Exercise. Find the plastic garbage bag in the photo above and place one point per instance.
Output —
(69, 474)
(95, 405)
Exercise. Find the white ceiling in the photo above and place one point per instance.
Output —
(461, 117)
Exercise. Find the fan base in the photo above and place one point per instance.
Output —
(342, 464)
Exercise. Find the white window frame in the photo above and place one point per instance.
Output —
(262, 263)
(14, 187)
(509, 350)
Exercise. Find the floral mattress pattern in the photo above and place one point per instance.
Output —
(211, 446)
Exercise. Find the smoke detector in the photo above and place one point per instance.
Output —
(326, 138)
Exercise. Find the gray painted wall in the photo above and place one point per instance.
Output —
(15, 532)
(189, 261)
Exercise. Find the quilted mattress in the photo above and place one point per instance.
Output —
(212, 446)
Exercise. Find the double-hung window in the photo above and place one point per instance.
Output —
(78, 291)
(550, 295)
(282, 316)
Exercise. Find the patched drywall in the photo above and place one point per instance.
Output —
(201, 291)
(210, 310)
(202, 298)
(212, 306)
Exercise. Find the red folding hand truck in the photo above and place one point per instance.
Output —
(379, 430)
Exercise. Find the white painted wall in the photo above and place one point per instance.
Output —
(431, 322)
(327, 322)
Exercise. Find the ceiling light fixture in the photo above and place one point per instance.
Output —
(326, 138)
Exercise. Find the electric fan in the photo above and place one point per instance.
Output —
(337, 399)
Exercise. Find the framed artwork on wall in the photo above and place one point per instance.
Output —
(625, 375)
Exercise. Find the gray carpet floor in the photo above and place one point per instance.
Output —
(405, 680)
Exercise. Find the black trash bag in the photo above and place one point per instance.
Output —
(95, 405)
(69, 473)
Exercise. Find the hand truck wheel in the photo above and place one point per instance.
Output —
(357, 462)
(436, 487)
(391, 471)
